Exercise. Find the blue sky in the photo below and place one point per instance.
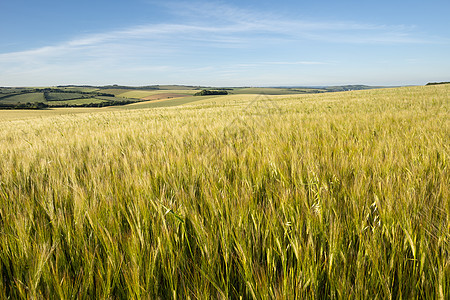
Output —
(224, 43)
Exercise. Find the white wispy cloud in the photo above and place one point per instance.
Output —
(230, 25)
(267, 22)
(280, 63)
(159, 47)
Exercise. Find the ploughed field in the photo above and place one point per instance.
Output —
(332, 195)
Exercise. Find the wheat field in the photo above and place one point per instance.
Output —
(334, 195)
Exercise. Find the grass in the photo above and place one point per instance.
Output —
(311, 196)
(75, 101)
(115, 91)
(6, 116)
(56, 96)
(142, 94)
(82, 89)
(178, 88)
(274, 91)
(24, 98)
(168, 102)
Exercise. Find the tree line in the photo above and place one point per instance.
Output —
(211, 92)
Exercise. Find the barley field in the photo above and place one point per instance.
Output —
(335, 195)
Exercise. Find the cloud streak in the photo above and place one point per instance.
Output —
(164, 47)
(232, 26)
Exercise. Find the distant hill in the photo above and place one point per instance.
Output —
(111, 95)
(142, 88)
(337, 88)
(343, 88)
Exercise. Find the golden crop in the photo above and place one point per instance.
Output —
(334, 195)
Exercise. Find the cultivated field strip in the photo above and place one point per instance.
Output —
(339, 195)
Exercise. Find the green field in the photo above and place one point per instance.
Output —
(275, 91)
(23, 114)
(40, 98)
(139, 94)
(183, 88)
(316, 196)
(142, 94)
(64, 96)
(168, 102)
(82, 89)
(115, 91)
(24, 98)
(21, 98)
(75, 102)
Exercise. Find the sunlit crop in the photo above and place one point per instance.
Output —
(337, 195)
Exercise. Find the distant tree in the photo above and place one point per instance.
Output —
(211, 92)
(436, 83)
